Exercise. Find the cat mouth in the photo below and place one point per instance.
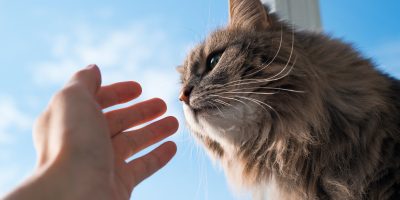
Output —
(202, 109)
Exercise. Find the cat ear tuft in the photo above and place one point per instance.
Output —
(180, 69)
(248, 14)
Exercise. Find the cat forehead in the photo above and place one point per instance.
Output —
(223, 38)
(215, 41)
(218, 40)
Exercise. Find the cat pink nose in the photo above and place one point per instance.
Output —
(185, 94)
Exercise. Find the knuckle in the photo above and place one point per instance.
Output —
(120, 123)
(62, 94)
(114, 94)
(132, 142)
(148, 164)
(69, 90)
(141, 112)
(154, 162)
(79, 73)
(116, 122)
(151, 131)
(113, 97)
(65, 94)
(57, 99)
(41, 120)
(41, 123)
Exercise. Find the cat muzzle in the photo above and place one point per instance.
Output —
(185, 95)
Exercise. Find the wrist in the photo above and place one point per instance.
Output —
(60, 181)
(75, 180)
(42, 184)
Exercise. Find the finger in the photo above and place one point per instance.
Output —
(129, 143)
(125, 118)
(147, 165)
(118, 93)
(90, 77)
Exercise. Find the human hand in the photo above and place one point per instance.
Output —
(82, 151)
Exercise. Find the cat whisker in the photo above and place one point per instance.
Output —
(249, 82)
(228, 104)
(258, 102)
(269, 88)
(290, 58)
(222, 113)
(288, 72)
(222, 102)
(279, 73)
(263, 66)
(224, 97)
(228, 98)
(260, 93)
(207, 91)
(253, 100)
(253, 81)
(276, 55)
(237, 81)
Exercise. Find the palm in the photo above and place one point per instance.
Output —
(127, 143)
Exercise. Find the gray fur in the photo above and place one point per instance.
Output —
(314, 120)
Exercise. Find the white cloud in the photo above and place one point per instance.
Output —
(12, 120)
(138, 52)
(121, 54)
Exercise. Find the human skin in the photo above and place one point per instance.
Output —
(82, 150)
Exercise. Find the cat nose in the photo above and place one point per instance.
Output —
(185, 94)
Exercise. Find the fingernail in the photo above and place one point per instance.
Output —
(91, 66)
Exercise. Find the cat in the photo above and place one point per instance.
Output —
(291, 114)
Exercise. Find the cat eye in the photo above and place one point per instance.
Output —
(213, 59)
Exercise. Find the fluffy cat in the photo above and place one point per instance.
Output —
(292, 114)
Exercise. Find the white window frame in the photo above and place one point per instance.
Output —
(305, 14)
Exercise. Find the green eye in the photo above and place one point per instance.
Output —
(213, 60)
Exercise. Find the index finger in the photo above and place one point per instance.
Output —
(118, 93)
(90, 78)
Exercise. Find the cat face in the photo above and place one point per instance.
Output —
(238, 75)
(216, 67)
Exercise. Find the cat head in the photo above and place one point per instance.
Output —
(244, 71)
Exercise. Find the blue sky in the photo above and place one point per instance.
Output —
(44, 42)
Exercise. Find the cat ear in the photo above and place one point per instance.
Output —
(248, 14)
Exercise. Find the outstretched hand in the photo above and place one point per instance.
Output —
(82, 150)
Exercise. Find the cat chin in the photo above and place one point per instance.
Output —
(228, 127)
(229, 130)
